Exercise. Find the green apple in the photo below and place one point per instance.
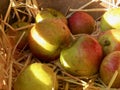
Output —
(48, 37)
(47, 13)
(110, 19)
(110, 41)
(36, 76)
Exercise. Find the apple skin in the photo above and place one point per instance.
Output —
(36, 76)
(83, 57)
(48, 13)
(110, 19)
(14, 36)
(48, 37)
(81, 22)
(110, 41)
(109, 65)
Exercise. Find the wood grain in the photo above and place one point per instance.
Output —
(64, 5)
(4, 6)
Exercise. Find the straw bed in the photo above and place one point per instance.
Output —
(14, 61)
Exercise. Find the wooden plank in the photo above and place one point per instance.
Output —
(3, 6)
(64, 5)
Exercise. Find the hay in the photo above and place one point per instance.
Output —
(14, 61)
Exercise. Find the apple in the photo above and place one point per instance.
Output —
(48, 37)
(110, 19)
(81, 22)
(109, 65)
(48, 13)
(83, 57)
(110, 41)
(14, 36)
(36, 76)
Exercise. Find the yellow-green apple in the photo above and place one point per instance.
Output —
(83, 57)
(81, 22)
(110, 41)
(14, 36)
(109, 66)
(48, 13)
(48, 37)
(110, 19)
(36, 76)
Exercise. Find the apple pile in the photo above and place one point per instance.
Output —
(52, 38)
(46, 39)
(109, 39)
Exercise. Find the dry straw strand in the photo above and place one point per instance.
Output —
(113, 79)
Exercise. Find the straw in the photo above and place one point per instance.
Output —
(15, 61)
(112, 80)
